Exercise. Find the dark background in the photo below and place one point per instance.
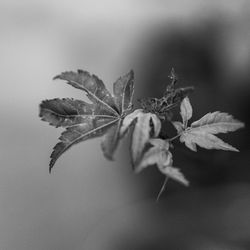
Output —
(88, 202)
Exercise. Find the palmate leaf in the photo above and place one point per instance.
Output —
(84, 120)
(146, 125)
(217, 122)
(93, 86)
(202, 132)
(204, 140)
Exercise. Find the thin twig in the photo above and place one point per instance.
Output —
(162, 188)
(175, 137)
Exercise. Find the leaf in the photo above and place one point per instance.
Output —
(67, 112)
(123, 90)
(160, 156)
(204, 140)
(84, 120)
(78, 133)
(178, 126)
(110, 140)
(128, 121)
(146, 125)
(175, 174)
(142, 133)
(202, 132)
(218, 122)
(93, 86)
(186, 110)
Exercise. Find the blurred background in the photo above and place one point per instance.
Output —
(88, 202)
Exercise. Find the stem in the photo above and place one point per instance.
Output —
(175, 137)
(162, 188)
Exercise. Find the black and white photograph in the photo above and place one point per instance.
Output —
(125, 125)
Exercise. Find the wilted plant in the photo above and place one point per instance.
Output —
(111, 116)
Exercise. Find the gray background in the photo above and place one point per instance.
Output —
(40, 39)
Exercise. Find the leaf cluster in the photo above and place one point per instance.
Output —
(111, 116)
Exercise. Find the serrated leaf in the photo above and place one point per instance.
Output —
(93, 86)
(123, 90)
(67, 112)
(202, 132)
(186, 110)
(204, 140)
(217, 122)
(78, 133)
(89, 120)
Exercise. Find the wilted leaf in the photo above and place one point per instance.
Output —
(141, 134)
(89, 120)
(202, 132)
(186, 110)
(140, 137)
(160, 156)
(128, 121)
(157, 154)
(175, 174)
(146, 125)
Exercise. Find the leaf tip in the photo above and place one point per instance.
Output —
(137, 168)
(56, 77)
(53, 159)
(51, 165)
(235, 150)
(80, 71)
(109, 157)
(185, 183)
(132, 73)
(241, 124)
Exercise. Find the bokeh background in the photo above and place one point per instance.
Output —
(88, 202)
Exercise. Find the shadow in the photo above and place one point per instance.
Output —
(195, 54)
